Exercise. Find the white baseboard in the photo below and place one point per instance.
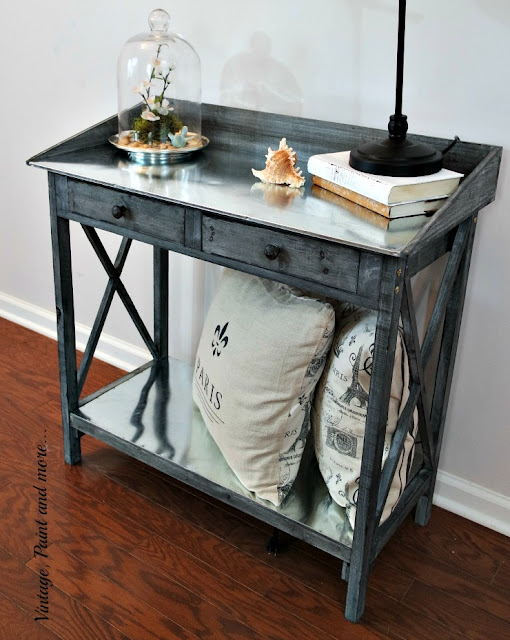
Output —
(109, 349)
(452, 493)
(473, 502)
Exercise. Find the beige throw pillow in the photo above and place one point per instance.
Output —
(262, 351)
(340, 409)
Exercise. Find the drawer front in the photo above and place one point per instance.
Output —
(127, 211)
(309, 258)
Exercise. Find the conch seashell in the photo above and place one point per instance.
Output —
(281, 167)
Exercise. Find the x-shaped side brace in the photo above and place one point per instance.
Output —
(418, 359)
(114, 271)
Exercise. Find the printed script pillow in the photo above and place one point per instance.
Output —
(205, 458)
(262, 351)
(340, 409)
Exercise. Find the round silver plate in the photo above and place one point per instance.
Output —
(158, 156)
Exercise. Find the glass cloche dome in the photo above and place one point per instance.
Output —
(159, 89)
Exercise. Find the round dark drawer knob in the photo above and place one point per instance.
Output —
(272, 251)
(119, 210)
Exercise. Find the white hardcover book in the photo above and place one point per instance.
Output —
(385, 189)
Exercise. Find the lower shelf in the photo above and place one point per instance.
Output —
(150, 415)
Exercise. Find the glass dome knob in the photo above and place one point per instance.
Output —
(159, 20)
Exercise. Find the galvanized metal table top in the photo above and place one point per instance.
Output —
(219, 179)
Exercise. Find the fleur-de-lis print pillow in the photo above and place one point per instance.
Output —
(220, 340)
(262, 350)
(340, 409)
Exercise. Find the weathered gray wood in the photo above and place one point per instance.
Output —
(193, 228)
(390, 466)
(445, 290)
(314, 287)
(112, 227)
(423, 257)
(375, 428)
(93, 136)
(330, 263)
(91, 234)
(153, 217)
(412, 342)
(101, 315)
(62, 270)
(448, 352)
(369, 274)
(478, 190)
(161, 301)
(115, 383)
(242, 128)
(336, 293)
(413, 493)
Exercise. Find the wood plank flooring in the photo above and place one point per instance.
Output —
(135, 555)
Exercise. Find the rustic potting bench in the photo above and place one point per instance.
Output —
(212, 208)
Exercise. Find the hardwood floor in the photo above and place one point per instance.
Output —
(135, 555)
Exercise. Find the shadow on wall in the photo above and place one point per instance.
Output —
(499, 10)
(254, 80)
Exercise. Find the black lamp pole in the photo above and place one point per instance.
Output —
(400, 57)
(396, 155)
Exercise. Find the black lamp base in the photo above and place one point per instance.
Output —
(396, 157)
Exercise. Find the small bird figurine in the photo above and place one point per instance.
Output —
(178, 140)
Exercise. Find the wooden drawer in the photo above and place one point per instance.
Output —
(137, 213)
(325, 262)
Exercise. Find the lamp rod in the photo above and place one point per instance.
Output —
(397, 155)
(400, 56)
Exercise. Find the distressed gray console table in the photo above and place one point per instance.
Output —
(212, 208)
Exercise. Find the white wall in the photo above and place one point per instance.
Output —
(330, 59)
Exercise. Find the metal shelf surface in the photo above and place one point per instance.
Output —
(151, 416)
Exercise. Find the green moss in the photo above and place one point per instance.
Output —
(159, 128)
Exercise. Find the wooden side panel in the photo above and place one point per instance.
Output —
(229, 127)
(444, 376)
(477, 191)
(423, 257)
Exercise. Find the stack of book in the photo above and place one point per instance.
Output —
(388, 196)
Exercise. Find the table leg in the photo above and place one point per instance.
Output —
(377, 414)
(65, 315)
(162, 397)
(446, 363)
(161, 301)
